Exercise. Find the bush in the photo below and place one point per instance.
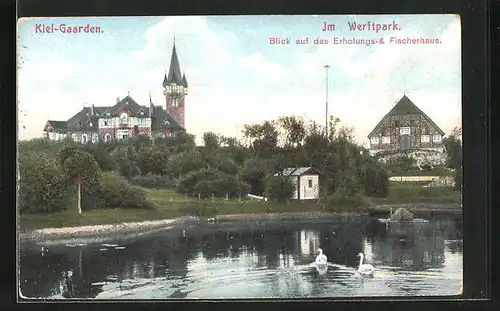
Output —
(279, 188)
(187, 183)
(220, 187)
(375, 180)
(116, 192)
(41, 186)
(401, 163)
(152, 161)
(152, 181)
(343, 199)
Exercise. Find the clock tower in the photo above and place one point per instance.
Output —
(175, 90)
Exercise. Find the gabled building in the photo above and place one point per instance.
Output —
(127, 118)
(406, 128)
(305, 181)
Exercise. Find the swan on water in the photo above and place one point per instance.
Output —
(364, 269)
(321, 258)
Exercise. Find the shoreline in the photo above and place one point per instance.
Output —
(102, 233)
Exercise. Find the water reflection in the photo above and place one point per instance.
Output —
(252, 260)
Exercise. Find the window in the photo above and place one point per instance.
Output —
(436, 138)
(74, 137)
(174, 102)
(84, 138)
(143, 122)
(94, 138)
(124, 118)
(142, 113)
(374, 140)
(425, 138)
(310, 183)
(386, 140)
(90, 124)
(107, 113)
(107, 137)
(124, 136)
(405, 131)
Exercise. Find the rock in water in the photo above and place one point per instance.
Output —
(402, 215)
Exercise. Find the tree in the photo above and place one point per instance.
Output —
(184, 162)
(295, 130)
(152, 160)
(41, 188)
(80, 167)
(453, 146)
(375, 179)
(279, 188)
(254, 172)
(211, 140)
(264, 138)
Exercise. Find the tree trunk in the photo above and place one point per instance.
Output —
(79, 193)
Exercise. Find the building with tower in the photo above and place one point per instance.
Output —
(126, 117)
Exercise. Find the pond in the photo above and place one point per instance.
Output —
(254, 259)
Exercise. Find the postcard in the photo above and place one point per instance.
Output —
(243, 156)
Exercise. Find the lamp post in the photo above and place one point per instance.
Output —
(326, 106)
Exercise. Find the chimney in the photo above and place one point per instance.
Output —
(117, 99)
(92, 110)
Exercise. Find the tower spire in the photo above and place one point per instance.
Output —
(150, 105)
(174, 72)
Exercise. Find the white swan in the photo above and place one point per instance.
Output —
(365, 269)
(321, 258)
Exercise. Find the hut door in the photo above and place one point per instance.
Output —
(404, 142)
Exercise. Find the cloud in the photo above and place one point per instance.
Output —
(233, 82)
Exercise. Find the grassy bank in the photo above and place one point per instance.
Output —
(172, 204)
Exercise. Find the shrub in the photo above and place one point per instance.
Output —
(279, 188)
(375, 180)
(343, 199)
(221, 186)
(41, 186)
(401, 163)
(188, 182)
(152, 161)
(116, 192)
(152, 181)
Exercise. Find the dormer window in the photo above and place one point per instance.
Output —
(167, 123)
(142, 113)
(107, 113)
(90, 124)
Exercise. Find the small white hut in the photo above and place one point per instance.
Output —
(306, 182)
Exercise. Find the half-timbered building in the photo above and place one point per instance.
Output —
(406, 128)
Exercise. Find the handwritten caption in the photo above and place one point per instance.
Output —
(354, 27)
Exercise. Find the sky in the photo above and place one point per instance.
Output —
(235, 75)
